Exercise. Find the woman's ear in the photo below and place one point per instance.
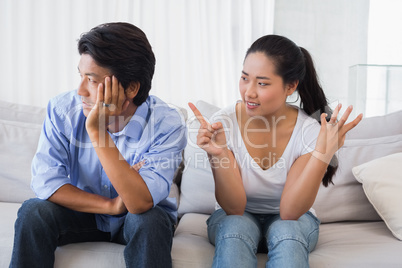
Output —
(132, 90)
(291, 87)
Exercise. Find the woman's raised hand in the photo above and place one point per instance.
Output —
(332, 134)
(211, 137)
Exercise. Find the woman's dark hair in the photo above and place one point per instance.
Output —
(294, 63)
(123, 49)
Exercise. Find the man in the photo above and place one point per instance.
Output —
(105, 159)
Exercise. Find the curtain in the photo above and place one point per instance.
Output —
(199, 44)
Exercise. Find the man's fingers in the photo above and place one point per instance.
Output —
(99, 98)
(115, 90)
(108, 91)
(138, 166)
(121, 97)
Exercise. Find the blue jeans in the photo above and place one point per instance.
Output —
(42, 226)
(237, 239)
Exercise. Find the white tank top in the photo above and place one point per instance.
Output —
(264, 187)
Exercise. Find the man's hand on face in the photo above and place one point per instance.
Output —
(111, 102)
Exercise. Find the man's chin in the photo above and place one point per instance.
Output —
(86, 111)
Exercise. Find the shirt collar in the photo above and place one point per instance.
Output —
(137, 123)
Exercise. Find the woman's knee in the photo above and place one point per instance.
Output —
(243, 229)
(303, 232)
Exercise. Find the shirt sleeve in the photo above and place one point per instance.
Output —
(163, 158)
(50, 167)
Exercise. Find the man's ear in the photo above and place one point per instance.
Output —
(291, 87)
(132, 90)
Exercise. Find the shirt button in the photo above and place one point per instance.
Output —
(105, 186)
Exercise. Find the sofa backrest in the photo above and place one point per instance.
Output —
(345, 201)
(373, 138)
(20, 127)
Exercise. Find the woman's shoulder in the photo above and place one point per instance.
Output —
(307, 130)
(306, 120)
(225, 113)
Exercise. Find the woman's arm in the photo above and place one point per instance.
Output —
(229, 190)
(306, 173)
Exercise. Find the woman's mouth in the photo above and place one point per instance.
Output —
(251, 105)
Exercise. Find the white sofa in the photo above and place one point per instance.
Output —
(352, 233)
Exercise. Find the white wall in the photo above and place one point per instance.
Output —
(334, 32)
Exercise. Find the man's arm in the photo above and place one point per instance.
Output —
(76, 199)
(128, 183)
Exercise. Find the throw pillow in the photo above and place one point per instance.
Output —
(382, 184)
(197, 184)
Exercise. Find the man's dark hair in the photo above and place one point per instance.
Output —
(123, 49)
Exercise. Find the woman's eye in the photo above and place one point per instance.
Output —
(244, 78)
(263, 84)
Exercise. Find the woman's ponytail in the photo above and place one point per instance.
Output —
(314, 103)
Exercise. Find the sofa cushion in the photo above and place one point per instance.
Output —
(346, 244)
(22, 113)
(377, 126)
(374, 137)
(7, 219)
(357, 245)
(18, 142)
(20, 126)
(382, 184)
(197, 184)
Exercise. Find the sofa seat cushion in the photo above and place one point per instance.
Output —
(191, 247)
(356, 244)
(94, 254)
(344, 244)
(7, 220)
(90, 254)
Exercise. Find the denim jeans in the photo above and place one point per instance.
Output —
(237, 239)
(42, 226)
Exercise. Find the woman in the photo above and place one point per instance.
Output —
(268, 158)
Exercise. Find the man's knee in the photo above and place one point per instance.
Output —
(34, 210)
(152, 222)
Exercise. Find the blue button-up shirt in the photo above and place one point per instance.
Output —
(156, 133)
